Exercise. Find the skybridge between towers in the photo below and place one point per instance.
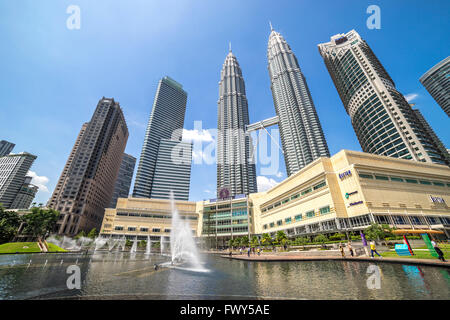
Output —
(263, 124)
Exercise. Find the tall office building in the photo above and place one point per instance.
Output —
(25, 196)
(13, 170)
(432, 135)
(123, 181)
(384, 122)
(301, 134)
(235, 167)
(166, 122)
(172, 170)
(86, 185)
(5, 147)
(437, 82)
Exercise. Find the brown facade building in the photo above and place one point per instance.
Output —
(86, 185)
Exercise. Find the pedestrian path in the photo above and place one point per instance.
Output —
(299, 257)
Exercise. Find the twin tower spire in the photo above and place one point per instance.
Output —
(301, 134)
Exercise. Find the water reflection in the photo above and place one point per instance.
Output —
(131, 275)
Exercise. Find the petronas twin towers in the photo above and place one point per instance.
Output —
(301, 134)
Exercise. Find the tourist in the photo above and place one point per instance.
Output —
(258, 251)
(240, 250)
(248, 251)
(373, 249)
(349, 246)
(438, 251)
(341, 248)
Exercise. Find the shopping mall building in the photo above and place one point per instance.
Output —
(343, 193)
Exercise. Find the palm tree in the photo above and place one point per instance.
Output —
(266, 239)
(281, 237)
(255, 241)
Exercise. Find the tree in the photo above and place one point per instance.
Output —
(9, 224)
(378, 232)
(236, 242)
(266, 239)
(93, 233)
(321, 238)
(281, 237)
(230, 243)
(255, 241)
(80, 235)
(301, 241)
(244, 241)
(40, 222)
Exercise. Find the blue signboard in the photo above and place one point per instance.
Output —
(402, 249)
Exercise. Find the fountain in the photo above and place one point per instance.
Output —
(148, 246)
(99, 243)
(182, 245)
(134, 246)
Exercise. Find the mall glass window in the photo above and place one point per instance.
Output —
(310, 214)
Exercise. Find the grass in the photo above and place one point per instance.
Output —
(13, 247)
(417, 254)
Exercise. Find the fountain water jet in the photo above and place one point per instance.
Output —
(134, 247)
(148, 246)
(182, 244)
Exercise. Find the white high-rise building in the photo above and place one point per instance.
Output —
(13, 170)
(383, 120)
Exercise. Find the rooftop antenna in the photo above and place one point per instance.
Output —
(271, 28)
(229, 45)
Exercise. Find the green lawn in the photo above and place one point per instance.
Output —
(417, 254)
(13, 247)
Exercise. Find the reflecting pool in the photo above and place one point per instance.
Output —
(124, 275)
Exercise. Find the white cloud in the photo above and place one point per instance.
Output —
(39, 181)
(411, 96)
(265, 183)
(202, 135)
(279, 174)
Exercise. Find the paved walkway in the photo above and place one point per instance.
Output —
(299, 257)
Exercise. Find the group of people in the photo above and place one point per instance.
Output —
(249, 250)
(373, 249)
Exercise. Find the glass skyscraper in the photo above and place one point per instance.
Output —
(437, 82)
(383, 120)
(235, 167)
(301, 134)
(166, 122)
(123, 181)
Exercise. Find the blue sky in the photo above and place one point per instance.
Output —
(52, 78)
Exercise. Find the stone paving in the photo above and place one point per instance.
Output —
(299, 257)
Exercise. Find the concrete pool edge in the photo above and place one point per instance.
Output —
(276, 258)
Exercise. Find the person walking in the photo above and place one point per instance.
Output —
(349, 246)
(373, 249)
(341, 248)
(248, 251)
(438, 251)
(258, 251)
(240, 250)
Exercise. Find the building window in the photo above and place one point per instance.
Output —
(440, 184)
(288, 220)
(279, 222)
(425, 182)
(325, 210)
(298, 217)
(131, 228)
(411, 181)
(144, 229)
(156, 230)
(265, 226)
(397, 179)
(272, 224)
(381, 178)
(118, 228)
(310, 214)
(320, 185)
(365, 176)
